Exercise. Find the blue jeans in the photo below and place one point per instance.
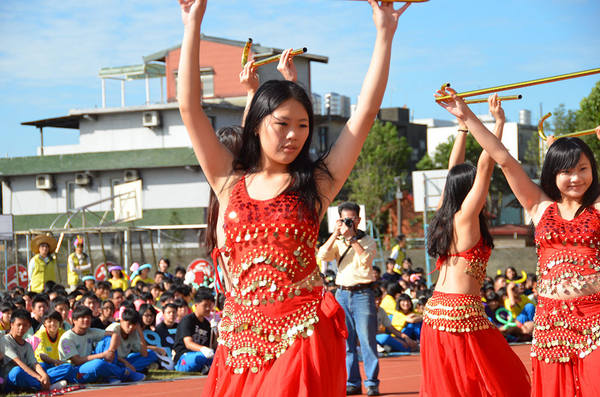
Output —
(192, 362)
(19, 379)
(395, 344)
(135, 359)
(361, 321)
(526, 314)
(413, 331)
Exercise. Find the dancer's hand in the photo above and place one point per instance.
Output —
(249, 78)
(496, 108)
(385, 16)
(456, 105)
(192, 11)
(286, 66)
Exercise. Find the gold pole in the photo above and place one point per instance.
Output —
(522, 84)
(276, 58)
(541, 126)
(500, 98)
(246, 52)
(577, 133)
(569, 135)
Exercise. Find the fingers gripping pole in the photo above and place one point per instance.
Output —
(522, 84)
(276, 58)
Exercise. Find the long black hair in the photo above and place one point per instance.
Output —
(231, 137)
(565, 154)
(441, 230)
(303, 170)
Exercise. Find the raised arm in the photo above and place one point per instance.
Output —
(250, 81)
(213, 156)
(345, 152)
(485, 166)
(457, 156)
(528, 193)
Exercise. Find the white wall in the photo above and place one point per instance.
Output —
(438, 135)
(161, 188)
(115, 130)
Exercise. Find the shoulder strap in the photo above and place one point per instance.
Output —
(344, 254)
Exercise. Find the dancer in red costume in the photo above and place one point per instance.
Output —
(462, 352)
(280, 335)
(565, 209)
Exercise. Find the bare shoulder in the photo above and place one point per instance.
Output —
(228, 186)
(538, 211)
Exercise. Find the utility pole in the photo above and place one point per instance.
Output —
(398, 181)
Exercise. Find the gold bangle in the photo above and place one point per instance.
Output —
(463, 130)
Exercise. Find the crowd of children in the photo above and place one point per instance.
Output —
(105, 331)
(401, 293)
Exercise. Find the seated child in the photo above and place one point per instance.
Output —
(45, 341)
(193, 338)
(76, 346)
(132, 352)
(387, 336)
(61, 305)
(7, 307)
(21, 369)
(164, 328)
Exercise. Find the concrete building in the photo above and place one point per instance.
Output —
(516, 137)
(126, 143)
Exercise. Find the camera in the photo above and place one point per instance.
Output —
(348, 222)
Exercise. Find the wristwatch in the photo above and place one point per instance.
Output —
(352, 240)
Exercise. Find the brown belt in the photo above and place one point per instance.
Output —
(357, 287)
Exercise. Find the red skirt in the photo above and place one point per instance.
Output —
(463, 354)
(311, 367)
(566, 340)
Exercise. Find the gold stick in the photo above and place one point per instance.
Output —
(500, 98)
(569, 135)
(276, 58)
(246, 52)
(541, 126)
(522, 84)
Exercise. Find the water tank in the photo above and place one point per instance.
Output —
(524, 117)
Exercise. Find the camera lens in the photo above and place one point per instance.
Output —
(349, 222)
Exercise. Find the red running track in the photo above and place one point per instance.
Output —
(399, 376)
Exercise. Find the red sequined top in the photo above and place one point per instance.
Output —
(476, 257)
(568, 251)
(273, 270)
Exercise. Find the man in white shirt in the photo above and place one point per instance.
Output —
(354, 252)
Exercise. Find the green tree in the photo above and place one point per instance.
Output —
(371, 182)
(588, 116)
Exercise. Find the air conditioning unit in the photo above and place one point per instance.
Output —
(44, 182)
(81, 178)
(150, 118)
(130, 176)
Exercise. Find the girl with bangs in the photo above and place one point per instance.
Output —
(565, 209)
(280, 333)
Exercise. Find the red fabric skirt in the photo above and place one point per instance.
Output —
(311, 367)
(566, 361)
(463, 354)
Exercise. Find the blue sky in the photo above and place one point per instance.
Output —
(51, 51)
